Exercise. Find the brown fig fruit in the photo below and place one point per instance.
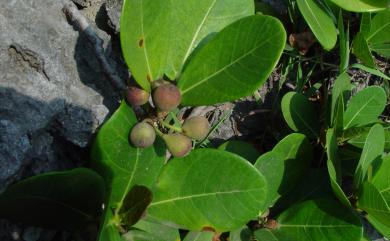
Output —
(196, 127)
(142, 135)
(136, 96)
(166, 97)
(178, 144)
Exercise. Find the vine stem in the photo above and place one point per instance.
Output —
(175, 128)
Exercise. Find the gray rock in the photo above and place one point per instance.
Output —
(113, 9)
(51, 85)
(83, 3)
(53, 93)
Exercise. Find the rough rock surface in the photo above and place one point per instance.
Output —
(113, 9)
(53, 93)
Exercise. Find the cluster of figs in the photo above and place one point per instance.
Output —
(166, 97)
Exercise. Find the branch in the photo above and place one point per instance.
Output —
(82, 25)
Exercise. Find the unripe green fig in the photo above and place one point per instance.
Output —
(178, 144)
(166, 97)
(137, 96)
(196, 127)
(142, 135)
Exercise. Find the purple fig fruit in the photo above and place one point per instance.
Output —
(178, 144)
(166, 97)
(136, 96)
(142, 135)
(196, 127)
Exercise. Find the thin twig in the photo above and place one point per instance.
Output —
(82, 25)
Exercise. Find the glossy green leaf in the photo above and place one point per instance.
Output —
(241, 148)
(58, 200)
(361, 49)
(272, 166)
(134, 205)
(379, 226)
(194, 191)
(199, 236)
(360, 137)
(339, 116)
(314, 184)
(365, 107)
(150, 229)
(371, 154)
(370, 70)
(362, 5)
(285, 165)
(241, 234)
(334, 167)
(121, 164)
(320, 23)
(381, 182)
(295, 146)
(239, 58)
(320, 219)
(300, 115)
(365, 24)
(381, 179)
(371, 201)
(344, 43)
(342, 87)
(153, 48)
(378, 38)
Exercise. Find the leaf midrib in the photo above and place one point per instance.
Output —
(197, 32)
(202, 195)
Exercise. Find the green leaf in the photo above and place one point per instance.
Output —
(359, 139)
(381, 179)
(334, 167)
(150, 229)
(342, 87)
(371, 71)
(58, 200)
(361, 49)
(152, 48)
(319, 22)
(371, 201)
(209, 189)
(239, 58)
(199, 236)
(272, 166)
(295, 146)
(242, 149)
(314, 184)
(362, 5)
(344, 43)
(379, 226)
(320, 219)
(284, 166)
(300, 114)
(378, 38)
(365, 24)
(241, 234)
(371, 154)
(339, 116)
(134, 205)
(121, 164)
(365, 107)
